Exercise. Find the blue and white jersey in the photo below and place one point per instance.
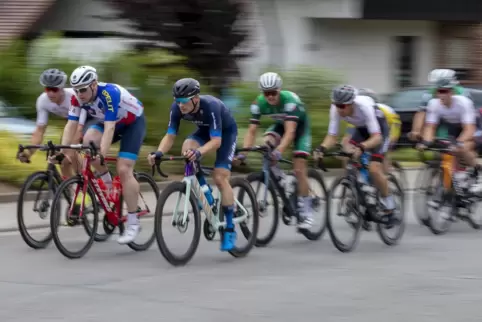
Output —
(112, 103)
(212, 115)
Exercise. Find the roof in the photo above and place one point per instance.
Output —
(18, 16)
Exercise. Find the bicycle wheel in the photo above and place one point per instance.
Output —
(351, 214)
(56, 213)
(245, 190)
(145, 178)
(174, 259)
(40, 179)
(384, 231)
(400, 174)
(439, 221)
(428, 184)
(316, 233)
(256, 180)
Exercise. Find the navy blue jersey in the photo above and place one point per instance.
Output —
(212, 115)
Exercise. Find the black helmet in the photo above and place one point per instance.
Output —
(344, 94)
(53, 78)
(185, 88)
(370, 93)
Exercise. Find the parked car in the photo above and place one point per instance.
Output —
(11, 121)
(406, 103)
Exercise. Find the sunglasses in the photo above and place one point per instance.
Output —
(183, 100)
(81, 90)
(443, 91)
(270, 93)
(341, 106)
(52, 89)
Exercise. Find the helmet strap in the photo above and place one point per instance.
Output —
(194, 106)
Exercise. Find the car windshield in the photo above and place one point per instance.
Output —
(406, 100)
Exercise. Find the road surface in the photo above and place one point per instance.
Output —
(425, 278)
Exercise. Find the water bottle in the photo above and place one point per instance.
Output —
(116, 189)
(206, 189)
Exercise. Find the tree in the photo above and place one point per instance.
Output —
(205, 32)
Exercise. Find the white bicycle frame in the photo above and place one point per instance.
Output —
(192, 184)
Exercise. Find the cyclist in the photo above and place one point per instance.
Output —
(393, 120)
(458, 113)
(56, 99)
(217, 131)
(291, 126)
(120, 118)
(419, 118)
(370, 133)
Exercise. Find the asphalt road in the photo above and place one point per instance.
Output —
(424, 278)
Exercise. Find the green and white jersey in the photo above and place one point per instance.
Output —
(432, 93)
(289, 108)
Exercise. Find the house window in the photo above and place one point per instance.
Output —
(457, 51)
(405, 69)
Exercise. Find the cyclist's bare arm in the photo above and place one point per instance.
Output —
(69, 132)
(429, 131)
(166, 143)
(250, 137)
(418, 121)
(329, 141)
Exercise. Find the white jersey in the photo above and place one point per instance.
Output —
(45, 107)
(113, 103)
(461, 111)
(365, 114)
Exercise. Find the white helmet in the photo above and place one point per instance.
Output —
(83, 76)
(270, 81)
(438, 74)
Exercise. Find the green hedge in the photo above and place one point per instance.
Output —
(19, 86)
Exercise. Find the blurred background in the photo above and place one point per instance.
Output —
(146, 45)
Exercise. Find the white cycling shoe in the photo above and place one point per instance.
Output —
(130, 234)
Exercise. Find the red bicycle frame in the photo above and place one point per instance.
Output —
(112, 208)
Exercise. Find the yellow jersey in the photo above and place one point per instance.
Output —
(393, 120)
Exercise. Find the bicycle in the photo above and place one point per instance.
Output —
(287, 191)
(111, 204)
(453, 191)
(53, 179)
(364, 205)
(214, 221)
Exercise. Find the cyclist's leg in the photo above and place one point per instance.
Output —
(300, 166)
(377, 173)
(195, 140)
(130, 145)
(94, 134)
(221, 176)
(272, 136)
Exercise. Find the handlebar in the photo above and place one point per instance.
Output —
(265, 150)
(156, 167)
(338, 153)
(51, 148)
(440, 145)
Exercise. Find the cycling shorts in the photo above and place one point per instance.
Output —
(302, 137)
(225, 153)
(360, 134)
(131, 136)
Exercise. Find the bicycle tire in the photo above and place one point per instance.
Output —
(158, 222)
(344, 248)
(250, 235)
(27, 238)
(56, 213)
(381, 227)
(401, 173)
(444, 228)
(151, 182)
(264, 241)
(309, 233)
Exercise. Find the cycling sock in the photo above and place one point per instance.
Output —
(132, 218)
(228, 213)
